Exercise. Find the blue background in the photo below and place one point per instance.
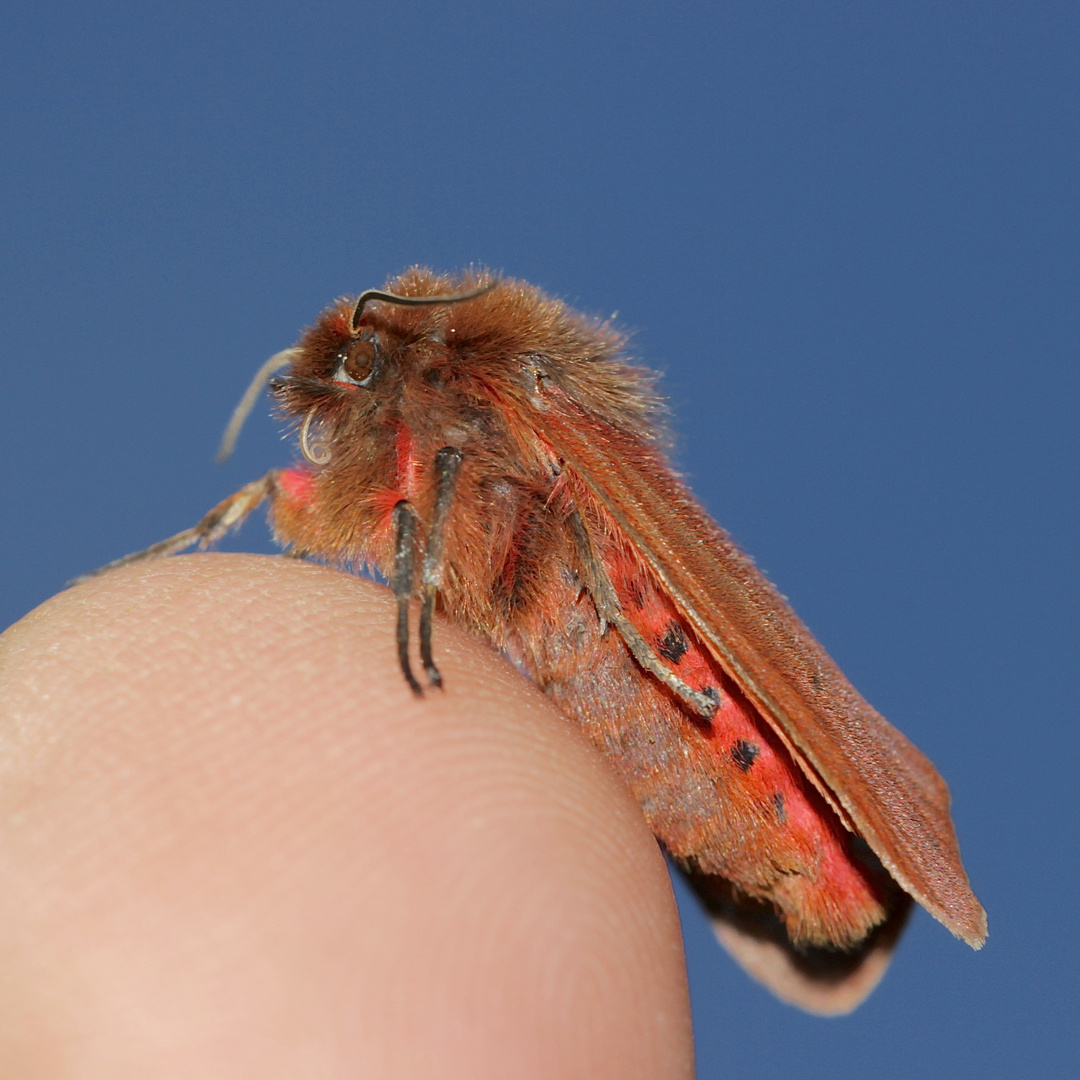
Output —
(847, 232)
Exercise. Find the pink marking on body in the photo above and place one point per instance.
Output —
(383, 503)
(297, 485)
(770, 772)
(408, 468)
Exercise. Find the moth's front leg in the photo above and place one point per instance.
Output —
(228, 514)
(447, 467)
(406, 532)
(406, 527)
(611, 612)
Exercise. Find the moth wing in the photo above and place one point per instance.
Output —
(881, 785)
(828, 982)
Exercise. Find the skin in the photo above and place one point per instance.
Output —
(233, 844)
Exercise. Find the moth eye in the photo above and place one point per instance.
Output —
(357, 363)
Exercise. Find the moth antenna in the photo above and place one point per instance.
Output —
(247, 402)
(415, 301)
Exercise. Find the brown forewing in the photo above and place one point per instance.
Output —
(887, 789)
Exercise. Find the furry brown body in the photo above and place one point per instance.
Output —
(564, 538)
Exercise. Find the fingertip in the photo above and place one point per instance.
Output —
(288, 849)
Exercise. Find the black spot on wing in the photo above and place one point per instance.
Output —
(744, 754)
(674, 644)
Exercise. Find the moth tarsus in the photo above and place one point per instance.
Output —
(427, 657)
(227, 515)
(406, 526)
(447, 468)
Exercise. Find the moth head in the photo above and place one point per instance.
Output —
(339, 354)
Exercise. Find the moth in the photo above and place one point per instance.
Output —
(495, 457)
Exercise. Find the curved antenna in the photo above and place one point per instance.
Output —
(247, 402)
(415, 301)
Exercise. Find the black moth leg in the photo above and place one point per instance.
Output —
(610, 611)
(228, 514)
(406, 526)
(447, 467)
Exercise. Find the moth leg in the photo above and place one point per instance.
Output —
(447, 467)
(228, 514)
(405, 529)
(610, 611)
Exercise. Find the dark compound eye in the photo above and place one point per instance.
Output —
(358, 363)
